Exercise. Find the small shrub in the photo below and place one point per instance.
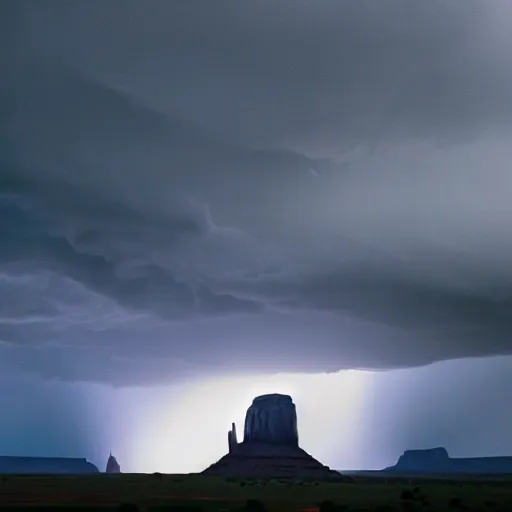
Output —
(327, 506)
(425, 503)
(178, 508)
(254, 506)
(455, 503)
(407, 495)
(384, 508)
(128, 507)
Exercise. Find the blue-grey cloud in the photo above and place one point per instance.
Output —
(225, 189)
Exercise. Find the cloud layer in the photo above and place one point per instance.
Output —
(190, 190)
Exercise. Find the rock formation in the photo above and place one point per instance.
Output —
(272, 419)
(270, 446)
(232, 438)
(45, 465)
(112, 465)
(437, 461)
(431, 459)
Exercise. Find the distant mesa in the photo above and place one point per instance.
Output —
(53, 465)
(112, 465)
(270, 448)
(437, 460)
(45, 465)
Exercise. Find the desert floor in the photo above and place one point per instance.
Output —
(191, 493)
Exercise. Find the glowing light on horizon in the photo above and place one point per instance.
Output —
(191, 432)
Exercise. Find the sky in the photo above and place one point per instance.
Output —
(203, 198)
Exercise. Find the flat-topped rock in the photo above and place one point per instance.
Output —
(424, 459)
(437, 461)
(45, 465)
(272, 419)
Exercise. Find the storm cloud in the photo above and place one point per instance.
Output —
(190, 189)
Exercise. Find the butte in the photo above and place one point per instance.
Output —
(270, 448)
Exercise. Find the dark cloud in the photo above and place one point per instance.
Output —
(197, 188)
(324, 76)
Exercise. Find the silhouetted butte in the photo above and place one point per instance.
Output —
(270, 447)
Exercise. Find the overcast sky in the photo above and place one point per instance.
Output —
(198, 191)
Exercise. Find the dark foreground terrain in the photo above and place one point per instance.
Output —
(205, 493)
